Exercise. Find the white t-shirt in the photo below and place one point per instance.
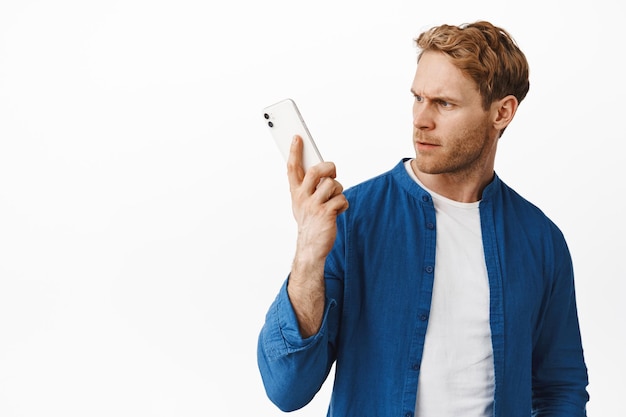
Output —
(456, 373)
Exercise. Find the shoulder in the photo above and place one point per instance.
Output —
(514, 209)
(389, 184)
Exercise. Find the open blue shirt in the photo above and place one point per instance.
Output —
(379, 281)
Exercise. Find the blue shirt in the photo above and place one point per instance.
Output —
(379, 281)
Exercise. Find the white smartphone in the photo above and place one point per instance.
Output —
(284, 122)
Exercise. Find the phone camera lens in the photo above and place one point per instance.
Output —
(267, 116)
(270, 124)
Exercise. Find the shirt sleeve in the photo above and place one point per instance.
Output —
(293, 369)
(559, 370)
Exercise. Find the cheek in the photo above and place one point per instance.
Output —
(470, 140)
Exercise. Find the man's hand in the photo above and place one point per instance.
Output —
(317, 200)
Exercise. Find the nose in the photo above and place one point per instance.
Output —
(423, 116)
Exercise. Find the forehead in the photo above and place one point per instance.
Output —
(436, 76)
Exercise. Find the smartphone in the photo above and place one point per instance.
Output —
(284, 122)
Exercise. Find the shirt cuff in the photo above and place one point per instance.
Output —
(285, 337)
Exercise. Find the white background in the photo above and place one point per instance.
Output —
(145, 222)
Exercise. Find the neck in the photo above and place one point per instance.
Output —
(464, 187)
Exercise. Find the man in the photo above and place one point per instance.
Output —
(440, 292)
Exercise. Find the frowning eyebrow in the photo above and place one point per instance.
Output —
(434, 98)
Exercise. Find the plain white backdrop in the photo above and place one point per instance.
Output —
(145, 222)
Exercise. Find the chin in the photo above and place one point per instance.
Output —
(423, 166)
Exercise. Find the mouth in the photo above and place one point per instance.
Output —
(424, 141)
(422, 145)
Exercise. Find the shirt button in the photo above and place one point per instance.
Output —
(423, 317)
(430, 226)
(408, 415)
(425, 198)
(429, 269)
(416, 366)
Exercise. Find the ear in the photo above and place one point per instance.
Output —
(504, 110)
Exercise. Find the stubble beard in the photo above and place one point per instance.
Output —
(461, 155)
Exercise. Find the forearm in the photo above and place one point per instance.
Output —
(306, 292)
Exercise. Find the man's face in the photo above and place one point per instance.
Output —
(452, 132)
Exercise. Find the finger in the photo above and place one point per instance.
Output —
(338, 204)
(327, 189)
(317, 174)
(295, 169)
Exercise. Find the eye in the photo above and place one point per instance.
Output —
(444, 103)
(418, 98)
